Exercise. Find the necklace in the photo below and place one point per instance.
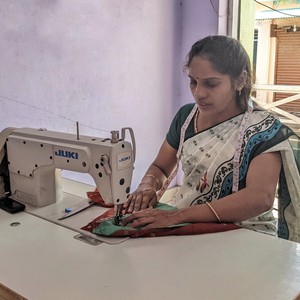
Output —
(196, 120)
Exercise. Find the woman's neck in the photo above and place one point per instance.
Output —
(203, 121)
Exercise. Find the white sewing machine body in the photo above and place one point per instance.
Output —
(36, 156)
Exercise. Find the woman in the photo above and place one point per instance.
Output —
(231, 154)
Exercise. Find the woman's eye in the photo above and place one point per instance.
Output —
(193, 82)
(211, 84)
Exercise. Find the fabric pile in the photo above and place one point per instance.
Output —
(104, 226)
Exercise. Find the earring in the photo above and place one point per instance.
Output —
(240, 91)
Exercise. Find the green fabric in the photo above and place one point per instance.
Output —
(107, 227)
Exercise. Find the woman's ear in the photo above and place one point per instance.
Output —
(241, 81)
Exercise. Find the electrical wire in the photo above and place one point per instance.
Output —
(49, 112)
(213, 6)
(276, 9)
(216, 12)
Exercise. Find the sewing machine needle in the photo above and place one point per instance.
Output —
(118, 215)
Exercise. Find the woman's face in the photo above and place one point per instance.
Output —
(213, 92)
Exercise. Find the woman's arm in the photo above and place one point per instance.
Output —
(256, 198)
(145, 195)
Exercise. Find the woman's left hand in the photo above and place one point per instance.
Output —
(152, 218)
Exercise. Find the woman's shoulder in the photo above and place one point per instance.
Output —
(187, 107)
(262, 114)
(269, 119)
(185, 110)
(183, 113)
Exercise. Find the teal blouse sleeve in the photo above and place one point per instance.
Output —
(173, 135)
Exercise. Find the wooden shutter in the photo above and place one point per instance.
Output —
(288, 66)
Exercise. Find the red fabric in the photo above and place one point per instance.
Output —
(195, 228)
(96, 197)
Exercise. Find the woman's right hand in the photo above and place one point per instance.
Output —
(145, 195)
(140, 199)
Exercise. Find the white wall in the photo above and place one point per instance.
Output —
(107, 64)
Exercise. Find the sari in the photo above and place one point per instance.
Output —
(207, 164)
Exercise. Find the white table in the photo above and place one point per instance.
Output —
(41, 260)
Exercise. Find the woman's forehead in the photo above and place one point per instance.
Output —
(202, 68)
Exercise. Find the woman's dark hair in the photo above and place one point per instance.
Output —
(227, 56)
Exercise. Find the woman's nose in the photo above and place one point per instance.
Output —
(199, 92)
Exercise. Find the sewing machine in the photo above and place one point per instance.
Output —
(35, 158)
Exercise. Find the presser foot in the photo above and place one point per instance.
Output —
(118, 220)
(118, 215)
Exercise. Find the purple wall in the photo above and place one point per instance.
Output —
(104, 63)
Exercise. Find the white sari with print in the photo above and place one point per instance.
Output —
(207, 164)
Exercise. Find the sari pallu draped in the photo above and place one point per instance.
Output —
(207, 163)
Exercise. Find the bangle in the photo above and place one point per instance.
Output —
(215, 213)
(156, 179)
